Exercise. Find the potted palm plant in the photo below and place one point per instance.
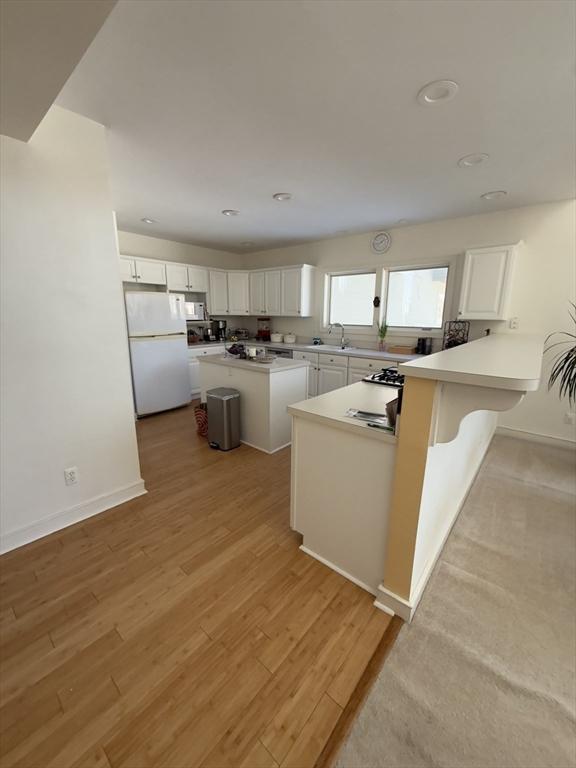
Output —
(564, 366)
(382, 331)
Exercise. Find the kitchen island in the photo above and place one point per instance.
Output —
(378, 508)
(266, 390)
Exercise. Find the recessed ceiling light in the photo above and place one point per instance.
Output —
(282, 196)
(230, 212)
(494, 195)
(438, 92)
(468, 161)
(146, 220)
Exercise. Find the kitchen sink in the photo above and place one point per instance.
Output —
(332, 348)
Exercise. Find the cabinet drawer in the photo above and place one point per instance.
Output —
(333, 360)
(369, 364)
(201, 351)
(312, 357)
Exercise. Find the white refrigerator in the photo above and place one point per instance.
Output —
(158, 350)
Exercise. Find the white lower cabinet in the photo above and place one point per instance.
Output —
(312, 358)
(356, 374)
(194, 373)
(330, 378)
(194, 366)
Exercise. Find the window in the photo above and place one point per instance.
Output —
(416, 298)
(351, 299)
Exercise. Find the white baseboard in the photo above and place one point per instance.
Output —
(258, 448)
(521, 434)
(66, 517)
(346, 575)
(394, 604)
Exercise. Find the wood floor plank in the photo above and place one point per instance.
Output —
(184, 628)
(310, 742)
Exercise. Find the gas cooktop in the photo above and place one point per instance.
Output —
(389, 377)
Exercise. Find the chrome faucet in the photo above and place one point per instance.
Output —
(342, 339)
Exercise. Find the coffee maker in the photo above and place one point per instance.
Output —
(218, 330)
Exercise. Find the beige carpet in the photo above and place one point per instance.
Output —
(484, 677)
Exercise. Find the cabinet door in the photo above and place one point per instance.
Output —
(257, 293)
(194, 373)
(218, 293)
(153, 273)
(238, 293)
(273, 293)
(177, 277)
(312, 380)
(291, 281)
(356, 374)
(331, 378)
(486, 283)
(127, 270)
(197, 280)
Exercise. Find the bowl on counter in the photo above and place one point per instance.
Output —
(289, 338)
(276, 338)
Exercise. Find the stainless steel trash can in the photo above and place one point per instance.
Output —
(223, 405)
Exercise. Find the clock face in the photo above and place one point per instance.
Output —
(381, 242)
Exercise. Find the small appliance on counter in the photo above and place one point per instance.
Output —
(289, 338)
(424, 346)
(218, 330)
(276, 338)
(389, 377)
(263, 329)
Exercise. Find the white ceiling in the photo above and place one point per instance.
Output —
(41, 41)
(215, 105)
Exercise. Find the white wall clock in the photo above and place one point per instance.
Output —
(381, 242)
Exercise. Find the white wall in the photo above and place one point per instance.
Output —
(65, 381)
(450, 471)
(132, 244)
(544, 282)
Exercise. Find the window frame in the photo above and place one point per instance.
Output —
(359, 329)
(406, 329)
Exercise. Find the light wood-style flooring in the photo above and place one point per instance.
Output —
(184, 628)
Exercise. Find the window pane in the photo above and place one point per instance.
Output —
(351, 298)
(416, 298)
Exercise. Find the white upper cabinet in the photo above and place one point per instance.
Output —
(127, 269)
(487, 283)
(273, 292)
(238, 293)
(142, 271)
(297, 291)
(177, 277)
(258, 293)
(181, 277)
(151, 272)
(198, 280)
(218, 293)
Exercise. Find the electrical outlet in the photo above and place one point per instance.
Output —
(570, 418)
(71, 476)
(514, 323)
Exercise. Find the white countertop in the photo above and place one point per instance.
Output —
(279, 365)
(331, 408)
(321, 348)
(334, 350)
(502, 360)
